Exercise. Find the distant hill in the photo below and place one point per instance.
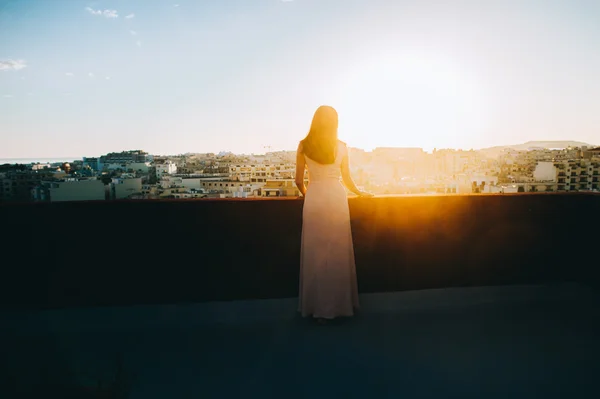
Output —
(494, 151)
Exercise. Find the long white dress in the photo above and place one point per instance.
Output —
(328, 286)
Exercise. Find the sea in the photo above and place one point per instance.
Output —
(28, 161)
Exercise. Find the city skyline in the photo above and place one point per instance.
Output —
(80, 77)
(518, 147)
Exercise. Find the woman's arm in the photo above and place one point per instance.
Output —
(347, 178)
(300, 165)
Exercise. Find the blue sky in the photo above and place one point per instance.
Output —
(83, 78)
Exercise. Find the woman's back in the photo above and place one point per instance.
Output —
(327, 172)
(328, 277)
(328, 287)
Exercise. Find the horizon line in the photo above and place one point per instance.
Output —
(280, 150)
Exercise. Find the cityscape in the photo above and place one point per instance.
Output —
(533, 167)
(426, 109)
(159, 240)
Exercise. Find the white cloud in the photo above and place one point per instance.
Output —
(175, 5)
(107, 78)
(110, 14)
(69, 74)
(7, 96)
(92, 11)
(12, 65)
(130, 16)
(90, 74)
(139, 43)
(105, 13)
(134, 33)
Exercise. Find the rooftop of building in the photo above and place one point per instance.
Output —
(513, 341)
(461, 296)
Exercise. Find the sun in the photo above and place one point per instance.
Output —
(407, 100)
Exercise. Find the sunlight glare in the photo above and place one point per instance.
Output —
(408, 101)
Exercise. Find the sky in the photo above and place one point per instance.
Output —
(83, 78)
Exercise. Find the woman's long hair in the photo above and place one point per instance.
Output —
(320, 143)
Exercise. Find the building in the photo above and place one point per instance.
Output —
(261, 172)
(180, 192)
(93, 163)
(125, 157)
(115, 167)
(17, 185)
(463, 183)
(76, 190)
(504, 189)
(281, 188)
(138, 167)
(167, 168)
(394, 163)
(592, 153)
(189, 194)
(122, 188)
(545, 172)
(572, 175)
(210, 185)
(40, 166)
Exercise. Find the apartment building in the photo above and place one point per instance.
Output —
(210, 185)
(125, 157)
(167, 168)
(580, 175)
(260, 173)
(223, 186)
(17, 185)
(125, 187)
(74, 190)
(138, 167)
(571, 175)
(179, 181)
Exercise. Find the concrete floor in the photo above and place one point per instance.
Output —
(485, 342)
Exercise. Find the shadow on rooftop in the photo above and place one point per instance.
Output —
(498, 342)
(198, 297)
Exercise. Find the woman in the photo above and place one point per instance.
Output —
(328, 286)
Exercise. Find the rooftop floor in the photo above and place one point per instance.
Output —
(485, 342)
